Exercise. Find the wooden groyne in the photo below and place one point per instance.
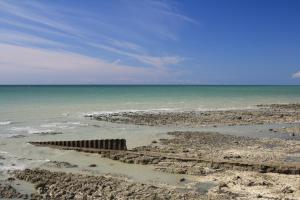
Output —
(116, 149)
(108, 144)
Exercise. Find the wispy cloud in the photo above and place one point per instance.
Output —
(296, 75)
(170, 9)
(45, 37)
(125, 45)
(13, 37)
(36, 13)
(68, 67)
(156, 61)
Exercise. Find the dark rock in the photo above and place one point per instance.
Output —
(10, 179)
(182, 180)
(287, 190)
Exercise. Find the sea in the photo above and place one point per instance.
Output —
(39, 113)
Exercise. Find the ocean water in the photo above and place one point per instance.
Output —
(26, 111)
(32, 109)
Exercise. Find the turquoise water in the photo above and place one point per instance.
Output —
(28, 109)
(149, 95)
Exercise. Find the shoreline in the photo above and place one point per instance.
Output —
(264, 114)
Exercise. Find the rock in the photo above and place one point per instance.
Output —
(287, 190)
(48, 133)
(231, 156)
(266, 114)
(58, 164)
(10, 179)
(9, 192)
(92, 165)
(78, 186)
(182, 180)
(222, 184)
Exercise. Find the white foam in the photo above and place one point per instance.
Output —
(3, 152)
(54, 125)
(154, 110)
(75, 123)
(227, 108)
(30, 130)
(4, 123)
(9, 167)
(14, 164)
(64, 125)
(89, 114)
(65, 114)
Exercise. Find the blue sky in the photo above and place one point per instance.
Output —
(151, 42)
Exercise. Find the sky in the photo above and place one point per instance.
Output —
(150, 42)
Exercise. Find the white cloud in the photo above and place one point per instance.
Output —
(296, 75)
(169, 9)
(41, 26)
(40, 15)
(155, 61)
(125, 45)
(13, 37)
(67, 67)
(36, 13)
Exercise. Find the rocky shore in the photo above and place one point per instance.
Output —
(239, 167)
(275, 113)
(232, 183)
(193, 152)
(8, 191)
(60, 185)
(229, 183)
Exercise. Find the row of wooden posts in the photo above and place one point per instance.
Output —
(110, 144)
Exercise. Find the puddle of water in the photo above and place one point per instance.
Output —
(203, 187)
(104, 166)
(293, 157)
(22, 187)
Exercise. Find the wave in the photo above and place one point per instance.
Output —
(63, 125)
(227, 108)
(3, 123)
(30, 130)
(15, 164)
(93, 113)
(89, 114)
(54, 125)
(43, 129)
(4, 152)
(10, 167)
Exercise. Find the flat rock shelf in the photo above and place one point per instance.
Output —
(116, 149)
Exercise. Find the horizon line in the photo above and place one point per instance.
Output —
(159, 84)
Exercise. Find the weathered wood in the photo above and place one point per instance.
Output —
(109, 144)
